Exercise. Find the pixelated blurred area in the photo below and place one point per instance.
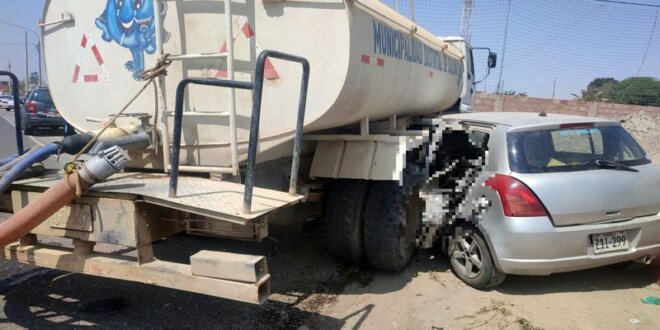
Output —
(443, 171)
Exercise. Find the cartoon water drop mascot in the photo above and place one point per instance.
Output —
(130, 23)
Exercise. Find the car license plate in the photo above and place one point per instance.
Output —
(53, 115)
(609, 242)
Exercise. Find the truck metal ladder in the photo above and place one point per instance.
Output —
(231, 102)
(171, 159)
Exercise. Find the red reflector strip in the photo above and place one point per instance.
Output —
(372, 60)
(576, 125)
(91, 78)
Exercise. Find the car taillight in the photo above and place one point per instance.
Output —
(517, 199)
(31, 107)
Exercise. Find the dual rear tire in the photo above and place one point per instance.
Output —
(379, 222)
(372, 221)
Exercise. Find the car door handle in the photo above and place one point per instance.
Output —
(613, 213)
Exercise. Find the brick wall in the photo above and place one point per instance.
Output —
(492, 102)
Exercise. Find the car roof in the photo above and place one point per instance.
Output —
(523, 119)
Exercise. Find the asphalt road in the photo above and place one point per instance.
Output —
(8, 137)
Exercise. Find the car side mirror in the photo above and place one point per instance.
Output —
(492, 60)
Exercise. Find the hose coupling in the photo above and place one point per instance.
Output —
(106, 163)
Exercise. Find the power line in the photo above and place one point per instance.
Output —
(16, 44)
(629, 3)
(18, 53)
(562, 33)
(655, 21)
(506, 34)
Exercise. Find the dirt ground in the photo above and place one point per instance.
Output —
(309, 290)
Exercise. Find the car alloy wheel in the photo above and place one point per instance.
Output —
(467, 257)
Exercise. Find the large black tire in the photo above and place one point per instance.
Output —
(465, 249)
(392, 220)
(343, 225)
(28, 130)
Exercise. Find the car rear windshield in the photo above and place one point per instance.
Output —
(572, 149)
(42, 95)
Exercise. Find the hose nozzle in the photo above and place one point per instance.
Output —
(103, 165)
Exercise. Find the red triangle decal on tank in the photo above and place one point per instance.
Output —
(247, 30)
(85, 44)
(269, 70)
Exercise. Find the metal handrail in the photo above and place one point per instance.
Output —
(178, 119)
(254, 124)
(257, 93)
(17, 110)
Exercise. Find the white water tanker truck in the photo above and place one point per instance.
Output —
(200, 114)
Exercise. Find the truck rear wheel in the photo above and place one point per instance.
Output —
(392, 218)
(344, 221)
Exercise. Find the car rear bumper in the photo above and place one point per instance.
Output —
(533, 246)
(38, 121)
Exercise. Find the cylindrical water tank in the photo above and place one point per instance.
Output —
(366, 61)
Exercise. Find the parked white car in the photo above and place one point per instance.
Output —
(7, 102)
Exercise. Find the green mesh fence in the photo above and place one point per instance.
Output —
(566, 49)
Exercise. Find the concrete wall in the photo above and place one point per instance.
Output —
(492, 102)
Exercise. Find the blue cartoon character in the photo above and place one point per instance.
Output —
(131, 24)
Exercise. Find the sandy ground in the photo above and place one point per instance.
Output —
(309, 289)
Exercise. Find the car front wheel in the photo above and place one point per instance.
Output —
(471, 260)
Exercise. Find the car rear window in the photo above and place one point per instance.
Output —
(572, 149)
(42, 95)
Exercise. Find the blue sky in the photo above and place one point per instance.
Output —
(25, 13)
(573, 41)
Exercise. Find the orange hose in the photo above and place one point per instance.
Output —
(28, 218)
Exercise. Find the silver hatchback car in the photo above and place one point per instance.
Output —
(564, 193)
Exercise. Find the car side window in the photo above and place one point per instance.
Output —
(479, 138)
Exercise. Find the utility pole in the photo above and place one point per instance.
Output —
(412, 11)
(41, 82)
(554, 85)
(506, 34)
(11, 86)
(38, 45)
(27, 77)
(466, 21)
